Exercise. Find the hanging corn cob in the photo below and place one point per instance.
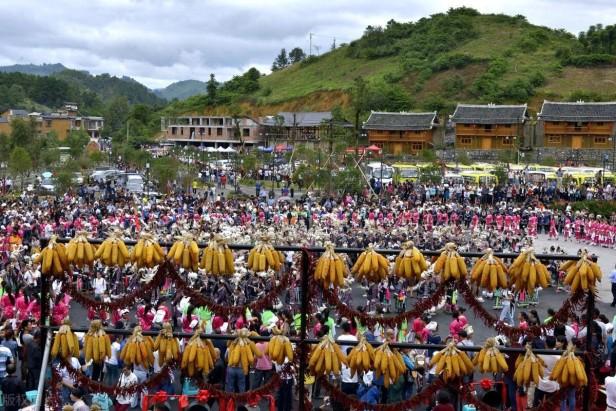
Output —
(489, 272)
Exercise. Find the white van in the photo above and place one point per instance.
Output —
(134, 183)
(379, 171)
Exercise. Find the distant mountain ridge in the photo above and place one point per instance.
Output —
(181, 90)
(34, 69)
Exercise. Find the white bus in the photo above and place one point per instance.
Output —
(379, 171)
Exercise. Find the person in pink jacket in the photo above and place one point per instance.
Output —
(59, 311)
(7, 302)
(22, 305)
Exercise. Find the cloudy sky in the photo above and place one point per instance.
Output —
(158, 42)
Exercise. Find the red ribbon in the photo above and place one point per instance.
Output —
(253, 400)
(272, 402)
(183, 401)
(203, 396)
(160, 396)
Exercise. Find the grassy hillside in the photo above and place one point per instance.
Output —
(434, 63)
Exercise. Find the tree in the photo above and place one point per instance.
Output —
(212, 88)
(20, 162)
(296, 55)
(116, 114)
(281, 61)
(77, 140)
(23, 132)
(5, 146)
(164, 170)
(236, 116)
(359, 105)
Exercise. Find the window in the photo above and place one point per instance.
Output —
(555, 140)
(245, 132)
(416, 146)
(173, 131)
(47, 123)
(209, 131)
(219, 132)
(600, 141)
(488, 127)
(466, 141)
(507, 141)
(600, 123)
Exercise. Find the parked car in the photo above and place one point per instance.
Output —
(134, 183)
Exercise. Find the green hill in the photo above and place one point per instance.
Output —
(35, 69)
(108, 87)
(435, 62)
(181, 90)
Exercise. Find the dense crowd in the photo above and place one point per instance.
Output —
(504, 219)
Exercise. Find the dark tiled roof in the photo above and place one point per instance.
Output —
(489, 114)
(400, 121)
(302, 119)
(580, 111)
(18, 112)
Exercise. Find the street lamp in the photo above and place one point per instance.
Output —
(606, 158)
(147, 180)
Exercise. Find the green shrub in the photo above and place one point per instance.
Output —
(450, 61)
(590, 60)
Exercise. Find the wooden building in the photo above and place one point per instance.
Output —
(489, 127)
(401, 133)
(210, 130)
(299, 127)
(576, 125)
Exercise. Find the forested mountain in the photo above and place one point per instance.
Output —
(181, 90)
(91, 93)
(36, 69)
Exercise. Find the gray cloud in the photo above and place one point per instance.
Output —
(161, 41)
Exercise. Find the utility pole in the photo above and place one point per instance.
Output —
(310, 52)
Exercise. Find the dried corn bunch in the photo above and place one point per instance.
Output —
(326, 358)
(528, 368)
(65, 342)
(410, 263)
(138, 350)
(218, 258)
(97, 344)
(330, 269)
(243, 351)
(489, 272)
(371, 265)
(452, 362)
(263, 256)
(113, 252)
(147, 252)
(583, 273)
(450, 264)
(527, 272)
(53, 258)
(185, 252)
(490, 359)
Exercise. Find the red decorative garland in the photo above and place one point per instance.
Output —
(127, 300)
(246, 396)
(424, 396)
(561, 316)
(416, 311)
(95, 386)
(199, 299)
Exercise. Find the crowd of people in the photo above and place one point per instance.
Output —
(505, 219)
